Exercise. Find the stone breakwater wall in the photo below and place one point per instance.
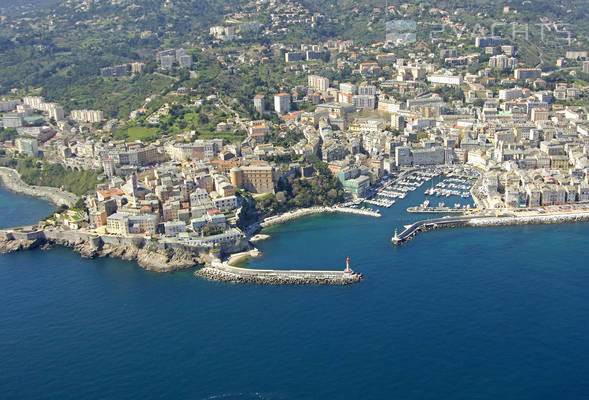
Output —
(532, 219)
(535, 219)
(292, 215)
(223, 272)
(11, 180)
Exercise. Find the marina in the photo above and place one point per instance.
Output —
(440, 208)
(456, 181)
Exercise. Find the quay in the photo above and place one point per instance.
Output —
(289, 216)
(522, 218)
(223, 272)
(437, 210)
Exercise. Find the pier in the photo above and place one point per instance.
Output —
(428, 224)
(223, 272)
(522, 218)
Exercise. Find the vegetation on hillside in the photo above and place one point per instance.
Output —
(36, 172)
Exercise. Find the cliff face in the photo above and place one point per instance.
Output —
(153, 259)
(10, 246)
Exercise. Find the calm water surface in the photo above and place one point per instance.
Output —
(455, 314)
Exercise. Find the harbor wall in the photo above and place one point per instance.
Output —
(550, 218)
(150, 254)
(531, 220)
(224, 272)
(292, 215)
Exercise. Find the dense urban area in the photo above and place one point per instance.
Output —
(191, 132)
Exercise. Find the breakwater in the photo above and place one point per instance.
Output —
(11, 180)
(292, 215)
(223, 272)
(412, 230)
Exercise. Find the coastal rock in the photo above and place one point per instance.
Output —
(86, 250)
(260, 237)
(11, 246)
(164, 261)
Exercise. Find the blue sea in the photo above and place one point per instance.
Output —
(498, 313)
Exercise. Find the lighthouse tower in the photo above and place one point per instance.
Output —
(348, 270)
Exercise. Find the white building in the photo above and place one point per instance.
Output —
(91, 116)
(166, 61)
(319, 83)
(510, 94)
(455, 80)
(282, 103)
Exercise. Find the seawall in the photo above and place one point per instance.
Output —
(480, 221)
(11, 180)
(151, 255)
(292, 215)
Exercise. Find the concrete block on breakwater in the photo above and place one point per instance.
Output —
(223, 272)
(480, 221)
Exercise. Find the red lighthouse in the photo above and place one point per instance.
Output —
(348, 270)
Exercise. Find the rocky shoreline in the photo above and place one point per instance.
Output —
(149, 258)
(11, 181)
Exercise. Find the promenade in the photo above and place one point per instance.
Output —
(11, 180)
(292, 215)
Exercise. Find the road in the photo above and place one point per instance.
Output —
(12, 181)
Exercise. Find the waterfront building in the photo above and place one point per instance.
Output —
(358, 186)
(121, 223)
